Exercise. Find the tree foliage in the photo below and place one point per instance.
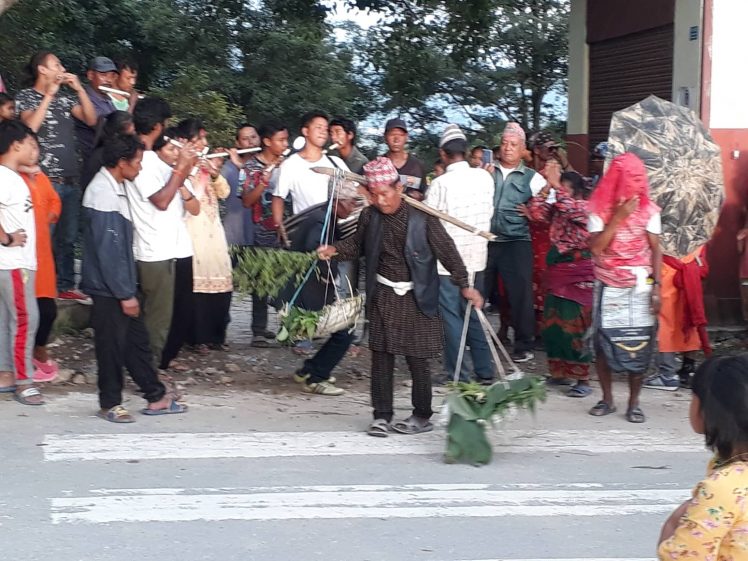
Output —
(479, 63)
(219, 59)
(482, 62)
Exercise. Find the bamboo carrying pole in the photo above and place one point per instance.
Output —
(414, 203)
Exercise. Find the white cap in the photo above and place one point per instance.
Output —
(452, 132)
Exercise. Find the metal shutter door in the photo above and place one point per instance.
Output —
(625, 70)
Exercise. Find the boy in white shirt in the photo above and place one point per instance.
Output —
(19, 316)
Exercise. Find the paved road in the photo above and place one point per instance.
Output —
(263, 477)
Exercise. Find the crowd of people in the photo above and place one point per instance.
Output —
(575, 267)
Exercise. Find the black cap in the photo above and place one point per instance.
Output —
(396, 123)
(102, 64)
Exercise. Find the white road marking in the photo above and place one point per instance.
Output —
(170, 446)
(576, 559)
(338, 502)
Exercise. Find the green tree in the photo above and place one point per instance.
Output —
(481, 63)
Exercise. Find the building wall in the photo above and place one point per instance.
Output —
(578, 85)
(725, 112)
(687, 53)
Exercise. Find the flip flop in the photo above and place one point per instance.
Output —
(116, 414)
(23, 395)
(8, 389)
(413, 425)
(380, 428)
(602, 409)
(579, 391)
(635, 415)
(173, 409)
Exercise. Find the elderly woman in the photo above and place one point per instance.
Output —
(569, 279)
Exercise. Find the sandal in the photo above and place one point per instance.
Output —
(579, 390)
(413, 425)
(380, 428)
(116, 414)
(602, 409)
(635, 415)
(174, 408)
(24, 395)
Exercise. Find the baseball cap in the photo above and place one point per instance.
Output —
(102, 64)
(396, 123)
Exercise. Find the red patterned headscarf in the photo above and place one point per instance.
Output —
(381, 173)
(626, 178)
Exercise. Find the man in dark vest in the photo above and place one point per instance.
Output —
(510, 257)
(401, 246)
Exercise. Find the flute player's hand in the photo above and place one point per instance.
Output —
(234, 157)
(188, 157)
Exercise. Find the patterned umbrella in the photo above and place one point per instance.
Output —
(684, 167)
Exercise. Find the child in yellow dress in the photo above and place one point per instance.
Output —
(713, 524)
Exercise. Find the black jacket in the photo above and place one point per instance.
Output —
(418, 255)
(108, 260)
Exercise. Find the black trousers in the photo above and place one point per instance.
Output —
(512, 261)
(47, 315)
(382, 373)
(182, 316)
(328, 357)
(122, 341)
(259, 315)
(211, 318)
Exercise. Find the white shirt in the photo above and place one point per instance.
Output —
(17, 213)
(306, 187)
(596, 224)
(466, 194)
(159, 234)
(536, 183)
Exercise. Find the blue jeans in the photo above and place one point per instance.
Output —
(452, 309)
(327, 358)
(65, 234)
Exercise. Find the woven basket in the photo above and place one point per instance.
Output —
(341, 314)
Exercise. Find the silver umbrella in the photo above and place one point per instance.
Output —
(684, 166)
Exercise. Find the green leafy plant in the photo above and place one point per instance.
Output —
(297, 324)
(472, 409)
(265, 272)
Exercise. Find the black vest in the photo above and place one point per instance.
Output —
(418, 256)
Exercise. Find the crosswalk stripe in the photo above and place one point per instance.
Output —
(574, 559)
(337, 502)
(138, 446)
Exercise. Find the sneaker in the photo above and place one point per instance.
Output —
(301, 378)
(261, 341)
(45, 371)
(75, 296)
(322, 388)
(658, 382)
(520, 357)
